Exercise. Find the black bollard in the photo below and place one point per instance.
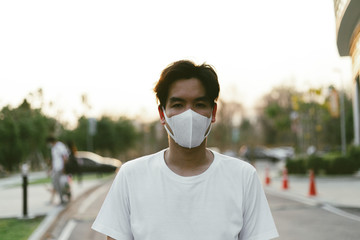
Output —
(25, 169)
(25, 183)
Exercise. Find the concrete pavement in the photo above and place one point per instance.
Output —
(39, 195)
(338, 191)
(11, 200)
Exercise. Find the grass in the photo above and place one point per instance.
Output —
(40, 181)
(19, 229)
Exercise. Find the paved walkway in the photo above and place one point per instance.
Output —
(11, 195)
(338, 191)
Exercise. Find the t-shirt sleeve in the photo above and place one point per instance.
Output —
(113, 218)
(258, 220)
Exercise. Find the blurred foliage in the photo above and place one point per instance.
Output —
(284, 117)
(227, 116)
(274, 117)
(302, 119)
(328, 164)
(113, 137)
(23, 131)
(22, 134)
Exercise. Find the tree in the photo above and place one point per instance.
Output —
(273, 116)
(301, 119)
(225, 132)
(112, 137)
(22, 134)
(331, 137)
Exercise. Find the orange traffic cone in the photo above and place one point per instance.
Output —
(312, 188)
(285, 180)
(267, 177)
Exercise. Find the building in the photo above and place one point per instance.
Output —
(347, 14)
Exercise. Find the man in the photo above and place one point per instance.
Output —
(59, 156)
(186, 192)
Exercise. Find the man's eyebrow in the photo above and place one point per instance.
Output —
(176, 99)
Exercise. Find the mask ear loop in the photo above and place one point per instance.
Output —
(209, 128)
(172, 135)
(167, 129)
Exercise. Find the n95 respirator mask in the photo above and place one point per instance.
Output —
(189, 128)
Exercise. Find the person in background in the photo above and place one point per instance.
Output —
(187, 191)
(50, 188)
(59, 157)
(72, 166)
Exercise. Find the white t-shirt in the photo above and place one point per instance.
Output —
(58, 151)
(148, 201)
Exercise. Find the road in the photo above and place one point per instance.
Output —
(294, 220)
(298, 221)
(75, 223)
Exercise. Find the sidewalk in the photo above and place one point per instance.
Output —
(337, 191)
(11, 195)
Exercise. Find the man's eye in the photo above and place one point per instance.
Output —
(178, 105)
(201, 105)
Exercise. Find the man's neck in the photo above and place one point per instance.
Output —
(188, 162)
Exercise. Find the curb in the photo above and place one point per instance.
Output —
(46, 223)
(51, 217)
(312, 201)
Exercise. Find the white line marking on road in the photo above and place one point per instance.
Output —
(68, 229)
(314, 202)
(88, 201)
(66, 232)
(340, 212)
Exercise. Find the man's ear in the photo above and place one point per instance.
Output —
(161, 113)
(213, 119)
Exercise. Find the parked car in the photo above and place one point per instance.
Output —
(253, 153)
(281, 153)
(92, 162)
(264, 153)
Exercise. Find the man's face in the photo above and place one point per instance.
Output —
(187, 94)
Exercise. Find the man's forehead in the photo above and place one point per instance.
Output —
(191, 86)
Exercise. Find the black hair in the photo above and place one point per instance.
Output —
(185, 69)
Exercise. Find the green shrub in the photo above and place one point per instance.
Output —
(354, 155)
(333, 164)
(341, 165)
(316, 163)
(296, 166)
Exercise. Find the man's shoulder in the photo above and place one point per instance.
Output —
(143, 161)
(234, 162)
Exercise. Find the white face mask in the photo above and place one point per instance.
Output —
(189, 129)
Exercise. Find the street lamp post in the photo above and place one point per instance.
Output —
(342, 123)
(342, 113)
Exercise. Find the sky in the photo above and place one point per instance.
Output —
(114, 51)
